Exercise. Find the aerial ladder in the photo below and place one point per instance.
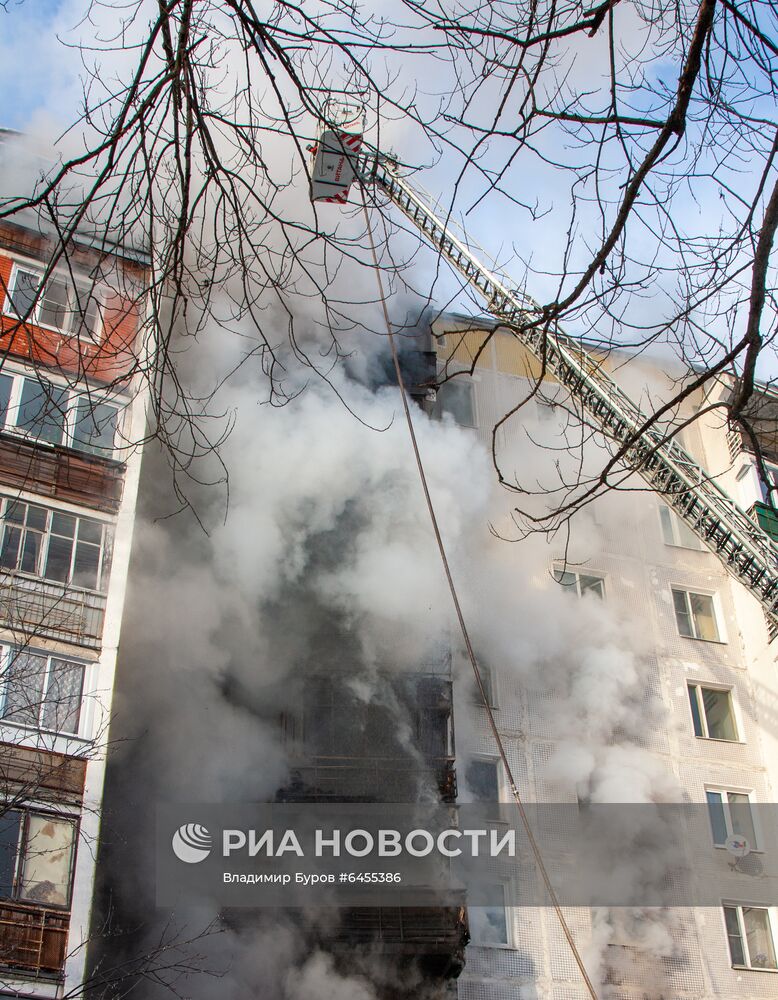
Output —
(745, 550)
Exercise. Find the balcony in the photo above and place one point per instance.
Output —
(33, 939)
(434, 936)
(369, 779)
(61, 473)
(49, 610)
(766, 518)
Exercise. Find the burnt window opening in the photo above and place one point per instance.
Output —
(483, 779)
(36, 857)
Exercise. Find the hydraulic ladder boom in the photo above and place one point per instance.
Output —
(745, 550)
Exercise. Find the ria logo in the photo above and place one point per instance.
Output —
(192, 843)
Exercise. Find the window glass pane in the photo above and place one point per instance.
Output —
(31, 551)
(9, 551)
(58, 559)
(24, 679)
(89, 531)
(591, 585)
(761, 952)
(566, 580)
(62, 707)
(10, 823)
(718, 714)
(54, 310)
(15, 512)
(86, 321)
(63, 524)
(686, 537)
(488, 924)
(6, 383)
(682, 616)
(482, 780)
(86, 565)
(667, 525)
(456, 399)
(47, 859)
(24, 291)
(718, 823)
(36, 517)
(736, 952)
(95, 430)
(698, 730)
(42, 410)
(704, 619)
(741, 817)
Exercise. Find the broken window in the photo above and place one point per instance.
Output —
(36, 857)
(695, 615)
(750, 936)
(712, 713)
(455, 397)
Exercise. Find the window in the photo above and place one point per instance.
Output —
(489, 924)
(712, 713)
(36, 857)
(579, 583)
(53, 545)
(676, 531)
(769, 495)
(730, 813)
(52, 413)
(455, 397)
(66, 303)
(489, 682)
(695, 615)
(482, 777)
(41, 691)
(750, 936)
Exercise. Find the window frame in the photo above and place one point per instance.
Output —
(481, 758)
(726, 790)
(674, 520)
(105, 545)
(22, 848)
(718, 618)
(73, 282)
(772, 925)
(458, 377)
(9, 422)
(699, 686)
(558, 570)
(7, 652)
(490, 683)
(508, 943)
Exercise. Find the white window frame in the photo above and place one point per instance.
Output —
(726, 790)
(508, 943)
(718, 617)
(697, 685)
(6, 653)
(675, 520)
(103, 572)
(490, 683)
(72, 280)
(95, 397)
(772, 924)
(559, 570)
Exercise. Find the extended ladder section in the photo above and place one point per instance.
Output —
(745, 550)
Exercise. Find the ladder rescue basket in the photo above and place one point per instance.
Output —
(333, 168)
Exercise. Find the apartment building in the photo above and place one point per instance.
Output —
(707, 689)
(70, 411)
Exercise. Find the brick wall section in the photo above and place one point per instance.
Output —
(105, 361)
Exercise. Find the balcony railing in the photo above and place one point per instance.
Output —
(49, 610)
(33, 939)
(369, 779)
(766, 518)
